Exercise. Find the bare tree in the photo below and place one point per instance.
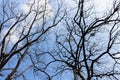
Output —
(89, 45)
(19, 31)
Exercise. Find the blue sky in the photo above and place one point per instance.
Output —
(100, 6)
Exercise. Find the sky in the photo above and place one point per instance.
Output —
(100, 6)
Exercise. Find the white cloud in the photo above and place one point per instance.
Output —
(12, 37)
(25, 8)
(102, 5)
(117, 56)
(37, 5)
(40, 5)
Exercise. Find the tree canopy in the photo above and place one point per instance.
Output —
(59, 40)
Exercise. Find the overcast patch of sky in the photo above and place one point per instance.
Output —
(102, 5)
